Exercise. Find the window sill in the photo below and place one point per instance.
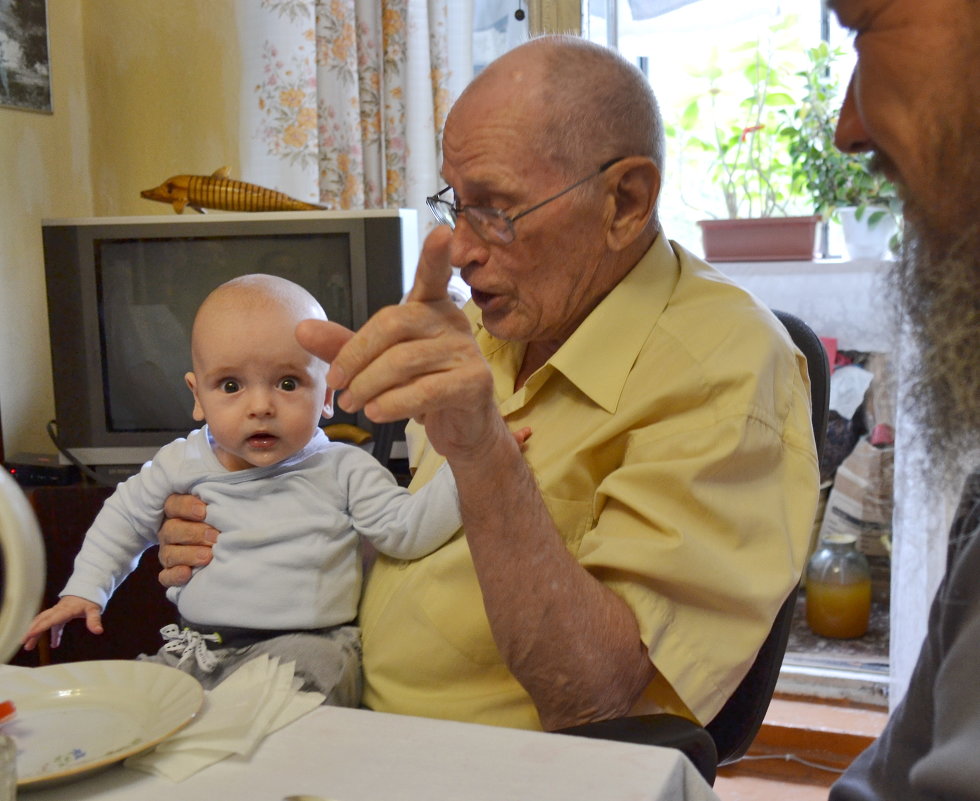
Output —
(808, 741)
(865, 685)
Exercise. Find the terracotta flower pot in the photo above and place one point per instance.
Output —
(760, 239)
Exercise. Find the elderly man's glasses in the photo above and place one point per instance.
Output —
(490, 224)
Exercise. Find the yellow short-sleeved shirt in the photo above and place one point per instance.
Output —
(672, 446)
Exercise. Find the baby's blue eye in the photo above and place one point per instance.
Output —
(230, 387)
(289, 384)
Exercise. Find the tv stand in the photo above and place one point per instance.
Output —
(112, 474)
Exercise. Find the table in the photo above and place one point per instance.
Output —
(358, 755)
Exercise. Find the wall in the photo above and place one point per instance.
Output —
(46, 172)
(163, 95)
(141, 90)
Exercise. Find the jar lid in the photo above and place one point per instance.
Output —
(838, 538)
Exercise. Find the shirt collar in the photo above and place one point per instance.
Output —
(598, 356)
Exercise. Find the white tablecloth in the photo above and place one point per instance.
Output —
(356, 755)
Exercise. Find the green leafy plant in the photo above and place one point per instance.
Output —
(831, 178)
(736, 121)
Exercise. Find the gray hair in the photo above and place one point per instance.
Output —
(599, 106)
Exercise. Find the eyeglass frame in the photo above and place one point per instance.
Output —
(447, 213)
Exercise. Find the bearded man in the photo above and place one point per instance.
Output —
(913, 101)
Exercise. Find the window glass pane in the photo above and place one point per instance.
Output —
(496, 29)
(706, 50)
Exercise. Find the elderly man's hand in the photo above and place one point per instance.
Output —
(416, 360)
(185, 539)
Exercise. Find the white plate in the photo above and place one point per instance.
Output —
(82, 716)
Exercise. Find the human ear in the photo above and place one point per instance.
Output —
(328, 404)
(198, 413)
(632, 200)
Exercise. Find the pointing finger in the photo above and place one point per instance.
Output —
(434, 271)
(324, 340)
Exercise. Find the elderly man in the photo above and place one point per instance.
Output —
(633, 556)
(915, 101)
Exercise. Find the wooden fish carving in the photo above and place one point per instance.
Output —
(218, 191)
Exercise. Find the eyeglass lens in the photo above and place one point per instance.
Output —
(492, 224)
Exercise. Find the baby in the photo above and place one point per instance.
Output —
(291, 506)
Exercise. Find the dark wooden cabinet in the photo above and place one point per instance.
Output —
(137, 610)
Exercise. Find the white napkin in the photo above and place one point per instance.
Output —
(257, 699)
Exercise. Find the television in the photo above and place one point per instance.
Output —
(122, 293)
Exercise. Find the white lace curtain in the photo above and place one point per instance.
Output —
(343, 101)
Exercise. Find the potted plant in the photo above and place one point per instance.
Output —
(843, 186)
(736, 122)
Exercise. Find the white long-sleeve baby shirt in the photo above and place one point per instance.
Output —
(288, 552)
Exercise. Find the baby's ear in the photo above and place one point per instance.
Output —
(198, 413)
(328, 404)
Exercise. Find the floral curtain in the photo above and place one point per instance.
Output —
(344, 101)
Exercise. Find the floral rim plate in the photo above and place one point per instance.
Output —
(79, 717)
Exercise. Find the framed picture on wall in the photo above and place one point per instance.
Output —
(25, 79)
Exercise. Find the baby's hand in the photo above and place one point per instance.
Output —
(68, 608)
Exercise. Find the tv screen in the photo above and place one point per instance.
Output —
(122, 294)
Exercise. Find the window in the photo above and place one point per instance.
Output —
(673, 42)
(675, 48)
(677, 43)
(497, 27)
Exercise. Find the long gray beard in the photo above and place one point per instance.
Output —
(937, 287)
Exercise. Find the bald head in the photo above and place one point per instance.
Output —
(235, 301)
(588, 104)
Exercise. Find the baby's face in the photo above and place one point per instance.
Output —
(261, 394)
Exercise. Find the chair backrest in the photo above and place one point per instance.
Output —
(384, 438)
(734, 728)
(818, 369)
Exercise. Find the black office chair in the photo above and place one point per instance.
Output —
(730, 733)
(384, 438)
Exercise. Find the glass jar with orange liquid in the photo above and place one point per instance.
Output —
(838, 588)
